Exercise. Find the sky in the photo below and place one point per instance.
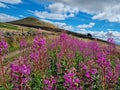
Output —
(101, 18)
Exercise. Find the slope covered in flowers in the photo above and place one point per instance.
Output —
(64, 63)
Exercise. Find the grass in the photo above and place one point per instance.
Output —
(29, 29)
(9, 26)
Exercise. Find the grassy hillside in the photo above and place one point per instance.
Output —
(31, 21)
(8, 26)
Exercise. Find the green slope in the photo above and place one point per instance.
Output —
(8, 26)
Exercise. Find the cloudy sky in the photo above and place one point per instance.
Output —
(98, 17)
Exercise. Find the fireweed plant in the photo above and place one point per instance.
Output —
(66, 63)
(3, 49)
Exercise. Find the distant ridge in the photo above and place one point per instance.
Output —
(36, 23)
(32, 21)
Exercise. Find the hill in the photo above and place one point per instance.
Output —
(45, 26)
(33, 22)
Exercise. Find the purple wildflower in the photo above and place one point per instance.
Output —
(23, 43)
(50, 83)
(19, 75)
(34, 56)
(38, 42)
(84, 66)
(3, 46)
(94, 71)
(88, 74)
(71, 81)
(103, 62)
(25, 70)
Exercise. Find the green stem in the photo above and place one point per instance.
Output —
(2, 73)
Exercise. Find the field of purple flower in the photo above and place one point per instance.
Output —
(64, 63)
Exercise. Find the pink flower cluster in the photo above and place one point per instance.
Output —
(3, 46)
(35, 56)
(38, 54)
(50, 83)
(71, 82)
(38, 42)
(103, 62)
(23, 43)
(90, 72)
(19, 75)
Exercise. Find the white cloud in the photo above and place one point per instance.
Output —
(2, 5)
(111, 14)
(100, 9)
(84, 26)
(47, 21)
(57, 11)
(63, 9)
(60, 25)
(103, 34)
(6, 18)
(63, 26)
(46, 15)
(30, 11)
(49, 15)
(11, 1)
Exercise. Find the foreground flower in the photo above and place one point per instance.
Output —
(91, 72)
(38, 42)
(71, 81)
(23, 69)
(3, 46)
(103, 62)
(50, 83)
(23, 43)
(19, 75)
(35, 56)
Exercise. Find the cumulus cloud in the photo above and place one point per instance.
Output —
(6, 18)
(99, 9)
(47, 21)
(57, 11)
(60, 25)
(62, 9)
(11, 1)
(103, 34)
(64, 26)
(3, 5)
(111, 14)
(47, 15)
(84, 26)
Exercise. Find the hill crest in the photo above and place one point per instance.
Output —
(32, 21)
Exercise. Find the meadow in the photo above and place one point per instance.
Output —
(61, 63)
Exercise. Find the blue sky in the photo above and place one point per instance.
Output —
(98, 17)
